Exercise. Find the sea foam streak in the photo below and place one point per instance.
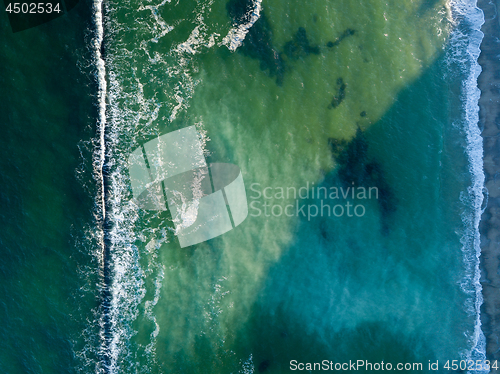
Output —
(237, 34)
(120, 275)
(465, 51)
(98, 166)
(119, 127)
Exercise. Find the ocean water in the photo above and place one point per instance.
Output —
(47, 123)
(354, 125)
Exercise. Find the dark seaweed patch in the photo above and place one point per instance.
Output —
(258, 41)
(299, 46)
(240, 10)
(363, 114)
(344, 35)
(352, 158)
(264, 365)
(356, 167)
(427, 5)
(340, 96)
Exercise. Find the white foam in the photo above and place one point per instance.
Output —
(102, 87)
(153, 246)
(236, 35)
(99, 158)
(127, 278)
(165, 28)
(128, 112)
(247, 367)
(465, 51)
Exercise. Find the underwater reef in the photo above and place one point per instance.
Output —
(340, 96)
(355, 166)
(258, 42)
(299, 46)
(345, 34)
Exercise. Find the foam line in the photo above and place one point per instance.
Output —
(100, 176)
(467, 50)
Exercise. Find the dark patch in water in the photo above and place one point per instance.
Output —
(363, 113)
(264, 365)
(324, 230)
(344, 35)
(299, 46)
(103, 50)
(240, 10)
(258, 41)
(340, 96)
(427, 5)
(355, 166)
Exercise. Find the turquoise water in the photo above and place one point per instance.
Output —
(365, 97)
